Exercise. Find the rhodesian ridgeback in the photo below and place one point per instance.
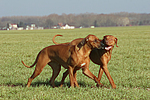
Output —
(98, 56)
(71, 57)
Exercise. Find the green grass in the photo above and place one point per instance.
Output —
(129, 66)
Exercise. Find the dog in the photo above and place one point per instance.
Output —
(71, 57)
(98, 56)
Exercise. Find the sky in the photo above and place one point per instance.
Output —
(47, 7)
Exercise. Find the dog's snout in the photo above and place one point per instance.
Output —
(99, 45)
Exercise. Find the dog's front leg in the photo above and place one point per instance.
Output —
(109, 77)
(63, 78)
(65, 75)
(100, 76)
(100, 73)
(71, 76)
(75, 79)
(88, 73)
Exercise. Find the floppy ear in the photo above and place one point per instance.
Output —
(116, 42)
(82, 43)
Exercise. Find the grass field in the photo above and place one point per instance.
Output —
(129, 66)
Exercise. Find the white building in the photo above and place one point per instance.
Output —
(67, 27)
(13, 26)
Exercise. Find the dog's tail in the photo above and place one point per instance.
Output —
(27, 65)
(54, 38)
(33, 63)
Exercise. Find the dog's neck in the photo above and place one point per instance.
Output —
(87, 48)
(84, 50)
(89, 45)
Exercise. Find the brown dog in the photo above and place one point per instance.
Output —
(99, 56)
(71, 57)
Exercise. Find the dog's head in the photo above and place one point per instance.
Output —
(91, 40)
(108, 42)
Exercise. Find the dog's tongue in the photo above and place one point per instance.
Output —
(108, 48)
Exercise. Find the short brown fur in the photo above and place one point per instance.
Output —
(99, 56)
(71, 57)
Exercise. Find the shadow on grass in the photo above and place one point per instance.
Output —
(57, 84)
(39, 83)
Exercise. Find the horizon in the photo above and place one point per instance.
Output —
(73, 14)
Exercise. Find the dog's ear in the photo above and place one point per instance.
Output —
(116, 42)
(82, 43)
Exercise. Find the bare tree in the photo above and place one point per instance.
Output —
(85, 19)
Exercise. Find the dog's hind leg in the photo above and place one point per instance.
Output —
(56, 69)
(41, 63)
(35, 74)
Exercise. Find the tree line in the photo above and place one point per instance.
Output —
(84, 20)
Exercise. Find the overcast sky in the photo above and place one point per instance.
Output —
(47, 7)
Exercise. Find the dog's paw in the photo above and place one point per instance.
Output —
(99, 85)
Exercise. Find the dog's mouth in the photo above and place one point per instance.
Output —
(108, 48)
(105, 47)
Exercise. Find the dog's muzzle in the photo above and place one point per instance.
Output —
(104, 47)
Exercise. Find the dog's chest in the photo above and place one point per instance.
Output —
(79, 59)
(83, 64)
(82, 61)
